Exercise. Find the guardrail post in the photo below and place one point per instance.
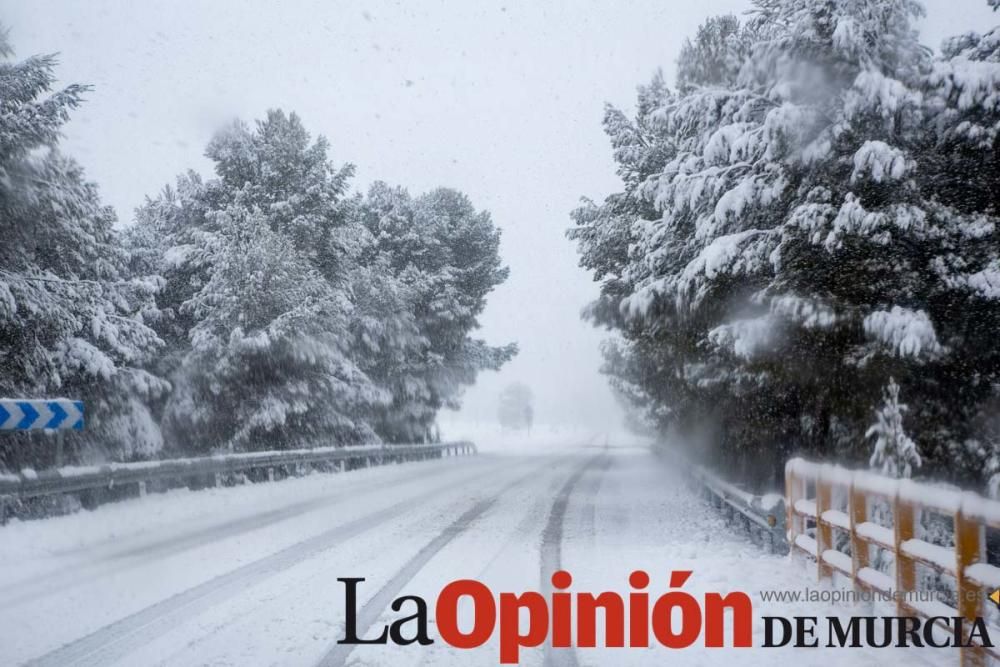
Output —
(142, 489)
(969, 541)
(824, 533)
(217, 479)
(60, 448)
(903, 518)
(858, 508)
(270, 474)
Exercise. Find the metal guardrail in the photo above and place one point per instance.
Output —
(30, 484)
(761, 516)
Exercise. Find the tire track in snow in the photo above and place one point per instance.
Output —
(525, 530)
(553, 468)
(338, 655)
(116, 640)
(551, 559)
(591, 487)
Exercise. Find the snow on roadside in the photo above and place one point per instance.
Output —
(648, 518)
(26, 545)
(84, 591)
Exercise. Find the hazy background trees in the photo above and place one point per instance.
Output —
(516, 410)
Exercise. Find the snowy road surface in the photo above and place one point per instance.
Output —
(248, 575)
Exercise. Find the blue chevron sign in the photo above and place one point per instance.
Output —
(17, 414)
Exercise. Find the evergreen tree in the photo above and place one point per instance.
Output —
(812, 212)
(295, 314)
(72, 322)
(268, 367)
(894, 453)
(257, 307)
(444, 257)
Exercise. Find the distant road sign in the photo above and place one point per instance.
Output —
(18, 414)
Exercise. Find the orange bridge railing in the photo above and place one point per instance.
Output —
(824, 500)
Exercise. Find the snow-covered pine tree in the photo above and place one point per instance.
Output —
(389, 346)
(269, 366)
(175, 238)
(444, 257)
(279, 169)
(72, 322)
(894, 454)
(961, 169)
(808, 214)
(275, 168)
(288, 352)
(396, 285)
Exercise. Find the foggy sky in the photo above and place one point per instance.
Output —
(502, 100)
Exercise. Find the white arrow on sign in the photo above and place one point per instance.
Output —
(34, 414)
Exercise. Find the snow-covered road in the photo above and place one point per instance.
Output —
(248, 575)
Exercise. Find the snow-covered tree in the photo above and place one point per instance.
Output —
(295, 314)
(894, 453)
(269, 367)
(256, 303)
(811, 211)
(73, 322)
(444, 257)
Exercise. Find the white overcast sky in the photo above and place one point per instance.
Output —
(502, 100)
